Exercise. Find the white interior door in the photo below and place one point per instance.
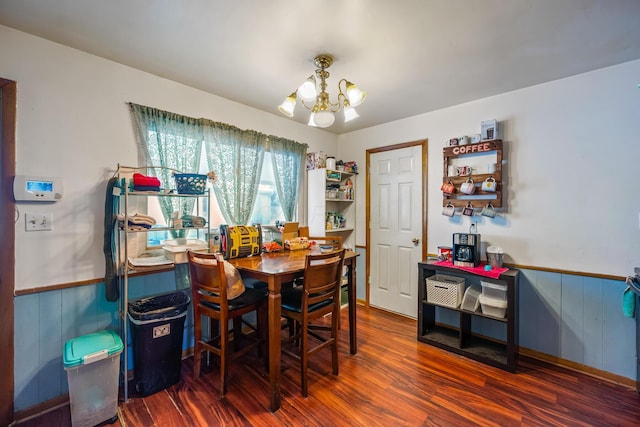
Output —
(395, 229)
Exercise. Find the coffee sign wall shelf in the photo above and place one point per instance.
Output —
(480, 156)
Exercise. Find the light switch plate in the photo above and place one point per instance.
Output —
(38, 222)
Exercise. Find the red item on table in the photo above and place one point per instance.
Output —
(494, 273)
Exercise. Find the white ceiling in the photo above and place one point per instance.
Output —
(411, 56)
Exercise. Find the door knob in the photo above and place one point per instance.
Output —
(415, 241)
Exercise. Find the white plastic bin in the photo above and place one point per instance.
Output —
(470, 300)
(494, 290)
(495, 307)
(176, 249)
(92, 363)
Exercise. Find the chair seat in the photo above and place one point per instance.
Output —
(292, 300)
(250, 282)
(250, 296)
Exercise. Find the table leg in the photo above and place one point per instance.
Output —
(351, 295)
(274, 340)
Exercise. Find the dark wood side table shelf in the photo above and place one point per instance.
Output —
(501, 354)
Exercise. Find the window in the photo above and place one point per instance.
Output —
(266, 210)
(254, 186)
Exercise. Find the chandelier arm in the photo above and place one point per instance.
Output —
(334, 108)
(308, 107)
(340, 92)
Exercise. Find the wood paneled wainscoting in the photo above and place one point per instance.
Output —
(393, 380)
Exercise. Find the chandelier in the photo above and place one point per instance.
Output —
(318, 102)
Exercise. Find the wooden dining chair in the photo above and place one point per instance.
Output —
(209, 288)
(318, 296)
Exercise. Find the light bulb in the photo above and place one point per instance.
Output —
(323, 118)
(355, 95)
(288, 105)
(350, 113)
(307, 90)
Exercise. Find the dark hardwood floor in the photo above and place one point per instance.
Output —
(393, 381)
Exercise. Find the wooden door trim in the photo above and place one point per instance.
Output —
(7, 246)
(424, 143)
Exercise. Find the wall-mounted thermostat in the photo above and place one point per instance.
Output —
(37, 189)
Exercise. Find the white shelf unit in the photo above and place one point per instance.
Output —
(125, 244)
(322, 201)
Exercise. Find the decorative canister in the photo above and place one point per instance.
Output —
(444, 252)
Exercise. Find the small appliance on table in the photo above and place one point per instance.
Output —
(466, 249)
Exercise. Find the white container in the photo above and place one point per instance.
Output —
(495, 256)
(92, 363)
(331, 163)
(493, 306)
(470, 300)
(494, 290)
(445, 290)
(176, 249)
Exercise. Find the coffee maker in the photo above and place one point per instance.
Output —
(466, 249)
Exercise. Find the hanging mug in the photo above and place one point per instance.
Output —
(448, 187)
(468, 187)
(489, 211)
(468, 210)
(489, 185)
(449, 210)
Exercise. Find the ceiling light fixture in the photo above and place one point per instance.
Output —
(323, 110)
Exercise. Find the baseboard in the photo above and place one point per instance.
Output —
(41, 408)
(577, 367)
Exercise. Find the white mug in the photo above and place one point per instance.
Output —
(449, 210)
(488, 211)
(489, 185)
(463, 140)
(463, 170)
(468, 187)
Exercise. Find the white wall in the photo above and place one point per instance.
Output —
(572, 149)
(73, 122)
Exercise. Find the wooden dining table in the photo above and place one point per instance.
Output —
(276, 268)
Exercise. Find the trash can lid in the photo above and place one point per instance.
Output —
(91, 348)
(163, 306)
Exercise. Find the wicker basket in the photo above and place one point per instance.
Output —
(444, 290)
(190, 183)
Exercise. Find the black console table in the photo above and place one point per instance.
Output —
(499, 353)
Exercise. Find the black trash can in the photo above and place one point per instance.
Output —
(157, 325)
